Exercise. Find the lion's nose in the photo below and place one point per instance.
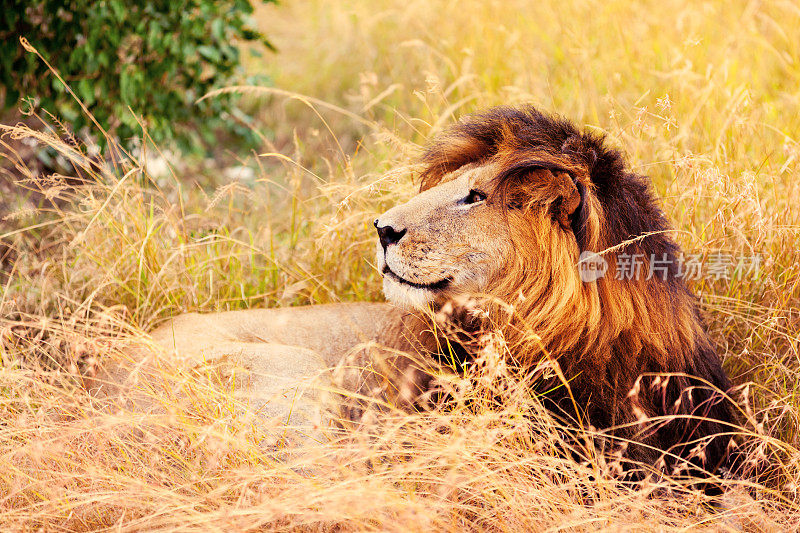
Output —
(388, 235)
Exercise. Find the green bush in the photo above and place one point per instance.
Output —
(154, 56)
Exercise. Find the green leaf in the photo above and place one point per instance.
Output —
(126, 87)
(218, 29)
(85, 91)
(211, 53)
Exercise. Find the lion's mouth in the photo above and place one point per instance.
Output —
(436, 286)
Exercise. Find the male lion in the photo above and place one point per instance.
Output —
(510, 199)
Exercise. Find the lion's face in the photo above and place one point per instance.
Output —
(448, 240)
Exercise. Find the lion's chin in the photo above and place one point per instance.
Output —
(408, 297)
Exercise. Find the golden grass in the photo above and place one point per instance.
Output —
(703, 97)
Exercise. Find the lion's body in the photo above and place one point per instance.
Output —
(330, 331)
(509, 201)
(282, 358)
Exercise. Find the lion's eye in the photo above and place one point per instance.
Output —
(474, 197)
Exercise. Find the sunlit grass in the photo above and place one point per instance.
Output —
(702, 97)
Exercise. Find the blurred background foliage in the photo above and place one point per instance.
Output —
(128, 62)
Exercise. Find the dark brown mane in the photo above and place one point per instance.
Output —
(636, 350)
(517, 135)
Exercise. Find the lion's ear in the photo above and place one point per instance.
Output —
(570, 207)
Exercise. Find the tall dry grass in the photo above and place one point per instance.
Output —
(703, 97)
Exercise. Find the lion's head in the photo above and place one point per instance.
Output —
(474, 226)
(509, 201)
